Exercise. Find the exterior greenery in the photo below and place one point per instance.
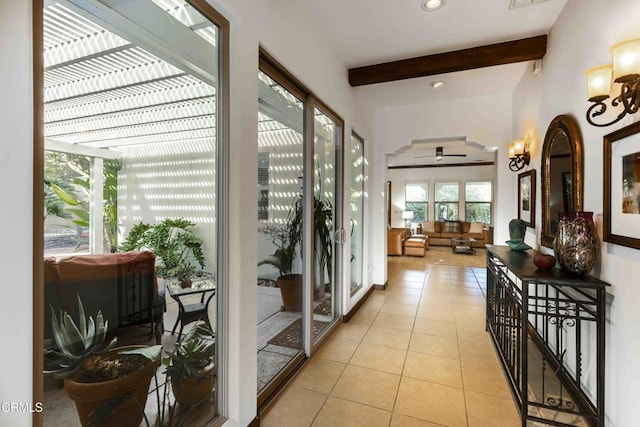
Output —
(173, 241)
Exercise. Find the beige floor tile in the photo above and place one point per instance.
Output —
(319, 375)
(434, 327)
(338, 350)
(342, 413)
(380, 358)
(436, 289)
(367, 386)
(388, 337)
(489, 411)
(410, 283)
(438, 314)
(436, 403)
(432, 368)
(478, 345)
(394, 321)
(484, 378)
(351, 331)
(296, 407)
(404, 292)
(404, 299)
(364, 316)
(403, 309)
(433, 344)
(469, 308)
(372, 305)
(442, 302)
(399, 420)
(470, 299)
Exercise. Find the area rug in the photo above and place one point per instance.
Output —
(441, 255)
(292, 338)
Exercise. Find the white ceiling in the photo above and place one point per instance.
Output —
(366, 32)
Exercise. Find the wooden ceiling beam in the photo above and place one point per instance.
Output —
(466, 59)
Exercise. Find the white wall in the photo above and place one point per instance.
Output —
(485, 119)
(16, 120)
(460, 174)
(290, 34)
(580, 39)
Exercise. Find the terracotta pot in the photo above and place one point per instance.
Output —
(544, 262)
(89, 396)
(191, 391)
(291, 289)
(186, 284)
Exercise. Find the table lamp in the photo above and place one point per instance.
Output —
(407, 216)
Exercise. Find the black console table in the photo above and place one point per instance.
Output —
(548, 328)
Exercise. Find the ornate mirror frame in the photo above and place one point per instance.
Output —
(567, 125)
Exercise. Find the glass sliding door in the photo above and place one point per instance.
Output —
(357, 163)
(326, 253)
(280, 225)
(133, 93)
(298, 211)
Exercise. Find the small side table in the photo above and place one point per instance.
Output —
(194, 311)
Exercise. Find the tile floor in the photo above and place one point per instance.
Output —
(416, 354)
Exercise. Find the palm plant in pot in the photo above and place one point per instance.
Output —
(286, 240)
(322, 228)
(96, 375)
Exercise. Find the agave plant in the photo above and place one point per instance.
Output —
(75, 343)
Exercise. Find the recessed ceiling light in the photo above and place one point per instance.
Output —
(436, 84)
(432, 5)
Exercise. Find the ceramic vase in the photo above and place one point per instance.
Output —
(576, 243)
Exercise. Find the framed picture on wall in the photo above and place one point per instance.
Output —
(622, 186)
(527, 197)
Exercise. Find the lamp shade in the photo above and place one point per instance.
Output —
(626, 60)
(599, 82)
(407, 214)
(512, 153)
(518, 147)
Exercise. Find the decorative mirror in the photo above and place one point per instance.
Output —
(562, 174)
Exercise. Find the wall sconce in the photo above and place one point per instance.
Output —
(518, 155)
(407, 216)
(626, 72)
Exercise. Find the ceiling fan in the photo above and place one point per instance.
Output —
(440, 154)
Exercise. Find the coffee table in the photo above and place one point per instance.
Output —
(461, 245)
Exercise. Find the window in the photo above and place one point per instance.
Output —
(447, 195)
(416, 199)
(478, 201)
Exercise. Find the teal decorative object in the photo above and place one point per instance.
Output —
(517, 228)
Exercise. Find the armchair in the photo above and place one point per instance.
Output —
(395, 240)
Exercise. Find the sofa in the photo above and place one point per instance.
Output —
(440, 233)
(122, 286)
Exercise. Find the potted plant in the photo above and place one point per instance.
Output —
(322, 227)
(190, 366)
(109, 385)
(183, 272)
(175, 244)
(286, 239)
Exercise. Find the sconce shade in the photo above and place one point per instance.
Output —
(626, 72)
(512, 153)
(626, 60)
(599, 82)
(518, 147)
(407, 214)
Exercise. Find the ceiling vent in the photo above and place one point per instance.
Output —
(520, 3)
